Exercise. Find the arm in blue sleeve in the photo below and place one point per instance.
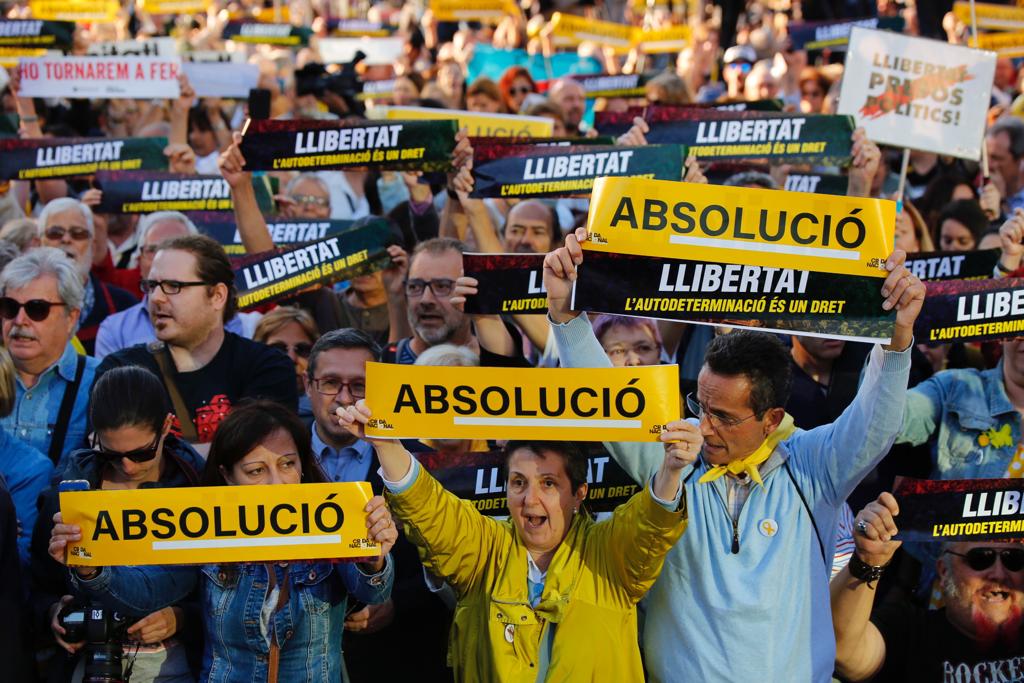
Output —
(138, 591)
(371, 589)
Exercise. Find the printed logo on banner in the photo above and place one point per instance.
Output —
(917, 93)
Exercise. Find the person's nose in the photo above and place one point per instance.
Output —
(429, 296)
(275, 476)
(706, 429)
(530, 496)
(22, 319)
(632, 358)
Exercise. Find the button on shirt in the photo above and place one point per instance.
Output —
(349, 463)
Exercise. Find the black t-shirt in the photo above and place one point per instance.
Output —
(921, 645)
(241, 369)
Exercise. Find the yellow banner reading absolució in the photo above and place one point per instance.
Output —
(768, 228)
(594, 404)
(479, 125)
(473, 10)
(209, 524)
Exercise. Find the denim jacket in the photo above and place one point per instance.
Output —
(974, 427)
(308, 627)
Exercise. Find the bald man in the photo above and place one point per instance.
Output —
(569, 95)
(531, 228)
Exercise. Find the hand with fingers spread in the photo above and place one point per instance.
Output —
(560, 273)
(903, 291)
(1011, 241)
(874, 528)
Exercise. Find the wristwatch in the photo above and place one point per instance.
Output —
(862, 571)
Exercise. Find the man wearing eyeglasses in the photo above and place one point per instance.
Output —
(40, 303)
(977, 636)
(67, 224)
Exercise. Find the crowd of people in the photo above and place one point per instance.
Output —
(760, 544)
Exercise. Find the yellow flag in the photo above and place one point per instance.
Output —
(595, 404)
(74, 10)
(768, 228)
(569, 30)
(201, 525)
(990, 16)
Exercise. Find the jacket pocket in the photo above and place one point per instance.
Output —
(219, 588)
(515, 625)
(962, 446)
(316, 593)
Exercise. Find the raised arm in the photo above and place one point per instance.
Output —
(251, 226)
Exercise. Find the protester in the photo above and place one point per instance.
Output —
(961, 225)
(292, 332)
(258, 443)
(41, 305)
(568, 96)
(515, 84)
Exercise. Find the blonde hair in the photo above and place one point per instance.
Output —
(8, 391)
(273, 321)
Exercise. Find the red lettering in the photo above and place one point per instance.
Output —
(122, 72)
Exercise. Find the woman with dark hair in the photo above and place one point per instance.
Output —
(943, 189)
(547, 594)
(263, 621)
(515, 84)
(132, 448)
(961, 225)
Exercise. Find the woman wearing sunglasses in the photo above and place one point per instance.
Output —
(977, 636)
(132, 448)
(515, 84)
(264, 622)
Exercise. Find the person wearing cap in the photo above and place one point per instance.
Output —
(738, 61)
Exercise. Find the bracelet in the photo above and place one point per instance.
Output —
(1002, 269)
(862, 571)
(28, 119)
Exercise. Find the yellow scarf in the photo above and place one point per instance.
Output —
(749, 464)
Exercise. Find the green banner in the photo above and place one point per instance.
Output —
(267, 34)
(149, 191)
(70, 157)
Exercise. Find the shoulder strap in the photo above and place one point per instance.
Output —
(163, 359)
(817, 533)
(67, 404)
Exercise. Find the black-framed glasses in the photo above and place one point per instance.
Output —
(56, 233)
(717, 420)
(301, 349)
(440, 286)
(332, 386)
(168, 287)
(980, 559)
(35, 309)
(138, 455)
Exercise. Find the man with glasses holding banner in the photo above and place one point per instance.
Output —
(743, 595)
(977, 636)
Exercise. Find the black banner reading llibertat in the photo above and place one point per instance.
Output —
(70, 157)
(507, 283)
(840, 306)
(547, 172)
(149, 191)
(480, 479)
(221, 226)
(54, 35)
(971, 310)
(953, 265)
(360, 250)
(960, 509)
(273, 145)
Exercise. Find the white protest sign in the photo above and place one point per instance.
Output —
(918, 93)
(206, 56)
(377, 50)
(152, 47)
(221, 79)
(140, 78)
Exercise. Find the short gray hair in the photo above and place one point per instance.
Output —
(307, 177)
(60, 206)
(147, 222)
(20, 232)
(449, 355)
(25, 269)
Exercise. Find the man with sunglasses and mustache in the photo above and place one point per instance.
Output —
(976, 637)
(41, 298)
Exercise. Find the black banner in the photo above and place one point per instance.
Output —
(817, 183)
(267, 34)
(954, 265)
(835, 35)
(545, 172)
(843, 306)
(508, 283)
(274, 145)
(971, 310)
(480, 478)
(616, 123)
(149, 191)
(960, 509)
(608, 85)
(53, 35)
(271, 275)
(490, 148)
(285, 233)
(40, 158)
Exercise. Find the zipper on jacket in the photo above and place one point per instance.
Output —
(735, 523)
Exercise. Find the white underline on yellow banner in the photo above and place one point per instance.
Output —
(205, 543)
(546, 422)
(761, 246)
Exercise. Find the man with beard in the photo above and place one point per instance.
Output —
(976, 637)
(41, 302)
(570, 97)
(530, 228)
(191, 293)
(434, 267)
(67, 224)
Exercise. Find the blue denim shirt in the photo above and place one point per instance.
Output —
(308, 628)
(35, 410)
(968, 416)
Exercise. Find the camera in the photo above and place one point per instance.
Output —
(103, 631)
(313, 79)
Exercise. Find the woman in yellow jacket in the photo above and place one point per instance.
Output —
(548, 595)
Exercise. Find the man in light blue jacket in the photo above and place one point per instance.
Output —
(744, 593)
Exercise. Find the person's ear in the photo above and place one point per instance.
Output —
(224, 475)
(772, 419)
(168, 423)
(581, 494)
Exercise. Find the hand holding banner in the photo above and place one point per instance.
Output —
(212, 524)
(596, 404)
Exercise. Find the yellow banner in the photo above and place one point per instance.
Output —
(1004, 44)
(997, 17)
(768, 228)
(569, 30)
(200, 525)
(174, 6)
(479, 125)
(661, 40)
(74, 10)
(10, 56)
(605, 404)
(473, 10)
